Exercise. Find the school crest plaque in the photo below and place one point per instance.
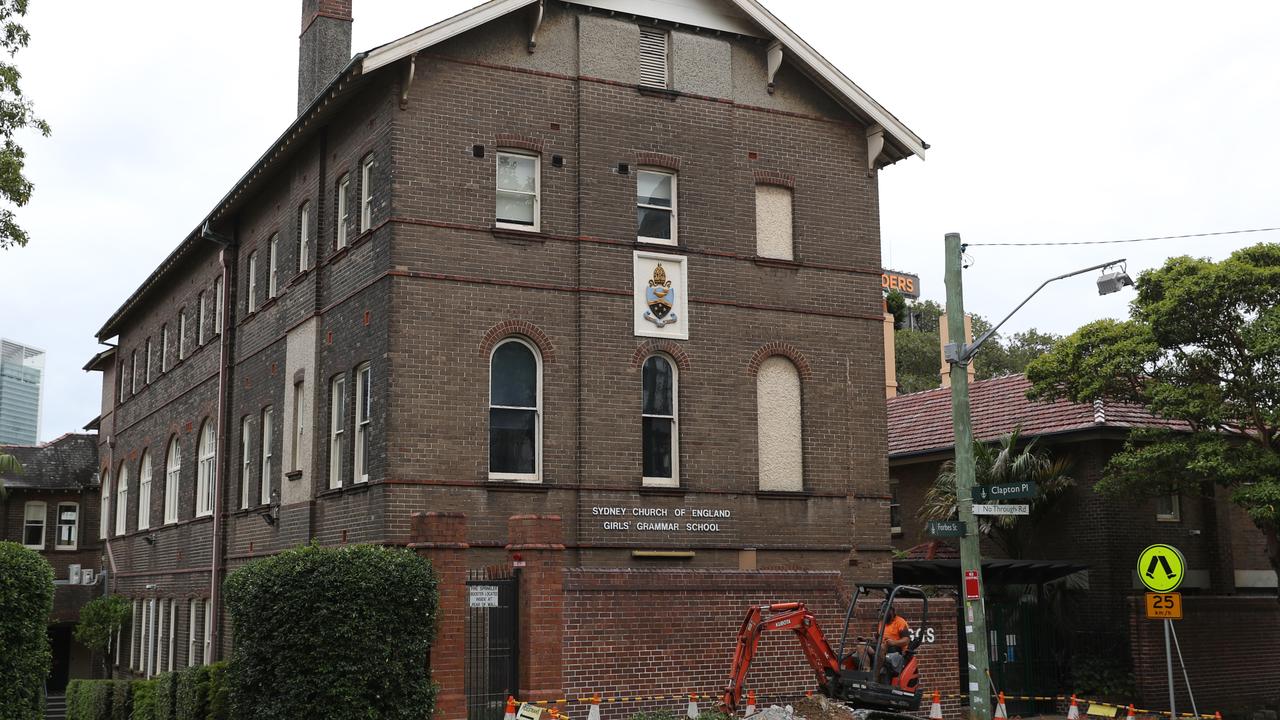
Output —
(661, 295)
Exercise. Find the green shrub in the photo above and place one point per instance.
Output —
(656, 715)
(192, 699)
(90, 699)
(100, 619)
(1105, 678)
(26, 597)
(166, 695)
(121, 700)
(219, 692)
(144, 700)
(332, 634)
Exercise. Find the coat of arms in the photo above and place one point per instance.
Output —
(660, 297)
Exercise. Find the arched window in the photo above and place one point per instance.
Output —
(144, 492)
(122, 499)
(172, 481)
(104, 510)
(659, 419)
(778, 423)
(207, 457)
(515, 412)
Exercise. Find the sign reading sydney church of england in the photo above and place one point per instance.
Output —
(661, 295)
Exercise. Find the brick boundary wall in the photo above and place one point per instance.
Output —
(1231, 646)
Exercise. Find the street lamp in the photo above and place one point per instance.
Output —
(958, 355)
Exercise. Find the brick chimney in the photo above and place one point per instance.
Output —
(324, 48)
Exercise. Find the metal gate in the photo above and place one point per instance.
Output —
(1022, 659)
(492, 647)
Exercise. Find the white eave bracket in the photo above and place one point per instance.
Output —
(875, 148)
(536, 16)
(406, 82)
(774, 56)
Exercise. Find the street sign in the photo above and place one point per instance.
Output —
(971, 585)
(1164, 606)
(1161, 568)
(946, 529)
(1001, 509)
(1006, 491)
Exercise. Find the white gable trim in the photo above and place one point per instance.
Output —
(685, 12)
(796, 50)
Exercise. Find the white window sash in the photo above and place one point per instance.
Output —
(675, 230)
(133, 372)
(144, 493)
(182, 334)
(364, 376)
(366, 195)
(343, 210)
(537, 194)
(246, 460)
(337, 417)
(191, 632)
(172, 482)
(264, 492)
(148, 361)
(164, 349)
(253, 282)
(40, 511)
(299, 414)
(74, 525)
(208, 632)
(304, 237)
(217, 305)
(536, 475)
(122, 501)
(272, 281)
(200, 337)
(173, 628)
(104, 508)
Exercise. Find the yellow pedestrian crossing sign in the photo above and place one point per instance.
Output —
(1161, 568)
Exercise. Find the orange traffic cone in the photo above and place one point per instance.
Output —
(1217, 715)
(554, 712)
(1074, 712)
(511, 709)
(692, 711)
(1001, 713)
(751, 703)
(1131, 713)
(594, 713)
(935, 710)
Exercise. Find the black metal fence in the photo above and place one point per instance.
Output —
(492, 641)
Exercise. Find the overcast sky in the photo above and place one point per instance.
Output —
(1048, 122)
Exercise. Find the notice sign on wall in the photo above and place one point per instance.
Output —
(483, 596)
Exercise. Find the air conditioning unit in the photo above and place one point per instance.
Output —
(73, 574)
(86, 576)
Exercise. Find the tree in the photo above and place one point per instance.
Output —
(100, 619)
(1201, 346)
(9, 465)
(1007, 461)
(26, 598)
(16, 113)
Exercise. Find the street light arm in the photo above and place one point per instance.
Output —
(968, 351)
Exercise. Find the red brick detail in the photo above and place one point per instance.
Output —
(656, 159)
(441, 538)
(539, 542)
(522, 328)
(521, 142)
(774, 177)
(335, 9)
(668, 347)
(786, 350)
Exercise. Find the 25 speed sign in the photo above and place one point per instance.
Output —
(1164, 606)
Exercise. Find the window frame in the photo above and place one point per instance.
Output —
(268, 456)
(895, 508)
(191, 631)
(104, 509)
(217, 305)
(366, 194)
(144, 491)
(273, 266)
(246, 460)
(363, 411)
(537, 192)
(182, 334)
(164, 348)
(337, 424)
(251, 283)
(1175, 514)
(674, 209)
(122, 500)
(147, 362)
(173, 627)
(172, 481)
(43, 521)
(208, 632)
(343, 208)
(299, 424)
(206, 461)
(536, 475)
(200, 321)
(58, 525)
(674, 480)
(304, 236)
(133, 372)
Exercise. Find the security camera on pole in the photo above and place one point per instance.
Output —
(959, 355)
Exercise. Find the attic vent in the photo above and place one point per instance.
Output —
(653, 57)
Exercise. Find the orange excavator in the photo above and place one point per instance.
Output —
(861, 678)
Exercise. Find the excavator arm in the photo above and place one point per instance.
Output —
(793, 617)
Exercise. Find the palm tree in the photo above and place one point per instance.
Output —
(8, 466)
(999, 463)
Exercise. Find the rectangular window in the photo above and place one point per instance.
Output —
(517, 193)
(208, 632)
(193, 613)
(653, 57)
(264, 493)
(895, 509)
(124, 384)
(173, 631)
(68, 527)
(182, 334)
(344, 183)
(133, 372)
(172, 480)
(252, 279)
(162, 607)
(201, 320)
(148, 361)
(122, 499)
(117, 647)
(33, 525)
(217, 305)
(135, 634)
(144, 640)
(207, 459)
(299, 414)
(656, 207)
(144, 493)
(364, 378)
(337, 416)
(774, 232)
(304, 237)
(273, 279)
(366, 194)
(1169, 508)
(164, 349)
(246, 459)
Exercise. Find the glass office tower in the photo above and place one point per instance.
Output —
(21, 375)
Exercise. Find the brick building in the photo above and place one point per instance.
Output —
(1098, 539)
(52, 507)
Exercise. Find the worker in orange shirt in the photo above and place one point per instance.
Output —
(895, 636)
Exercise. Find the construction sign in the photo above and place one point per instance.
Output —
(1161, 568)
(1164, 606)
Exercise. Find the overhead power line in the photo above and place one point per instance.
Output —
(1130, 240)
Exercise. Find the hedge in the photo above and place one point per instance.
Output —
(144, 700)
(95, 699)
(166, 696)
(122, 700)
(332, 634)
(26, 598)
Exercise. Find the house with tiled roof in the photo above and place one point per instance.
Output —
(51, 506)
(1089, 543)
